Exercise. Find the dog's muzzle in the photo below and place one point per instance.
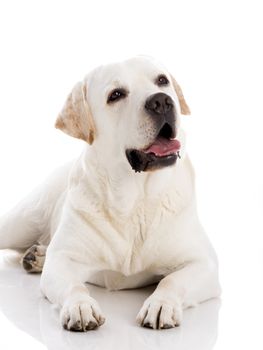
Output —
(164, 150)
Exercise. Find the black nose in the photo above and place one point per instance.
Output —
(159, 103)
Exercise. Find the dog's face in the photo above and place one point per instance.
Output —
(130, 110)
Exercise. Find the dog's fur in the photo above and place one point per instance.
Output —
(109, 225)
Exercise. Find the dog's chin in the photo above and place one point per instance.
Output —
(142, 161)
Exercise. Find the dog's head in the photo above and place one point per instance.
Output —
(130, 110)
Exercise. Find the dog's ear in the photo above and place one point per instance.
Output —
(183, 105)
(75, 119)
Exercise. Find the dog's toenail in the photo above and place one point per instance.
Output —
(167, 326)
(148, 325)
(27, 266)
(30, 257)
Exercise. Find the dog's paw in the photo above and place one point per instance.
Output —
(34, 258)
(160, 313)
(81, 316)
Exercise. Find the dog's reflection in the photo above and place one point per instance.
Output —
(22, 303)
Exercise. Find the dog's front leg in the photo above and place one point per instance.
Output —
(62, 282)
(192, 284)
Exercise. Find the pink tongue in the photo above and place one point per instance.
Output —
(163, 147)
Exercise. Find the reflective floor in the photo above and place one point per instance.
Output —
(22, 303)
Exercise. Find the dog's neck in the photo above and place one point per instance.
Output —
(121, 190)
(118, 183)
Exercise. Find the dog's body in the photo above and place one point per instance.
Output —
(110, 225)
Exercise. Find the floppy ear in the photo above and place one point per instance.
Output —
(183, 105)
(75, 119)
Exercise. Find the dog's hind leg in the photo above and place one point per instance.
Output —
(22, 226)
(33, 219)
(34, 258)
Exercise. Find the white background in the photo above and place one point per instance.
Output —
(214, 49)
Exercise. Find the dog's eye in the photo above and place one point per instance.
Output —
(116, 95)
(162, 80)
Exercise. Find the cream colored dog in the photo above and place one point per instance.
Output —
(123, 215)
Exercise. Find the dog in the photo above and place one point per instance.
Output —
(123, 215)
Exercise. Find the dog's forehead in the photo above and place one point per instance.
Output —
(142, 66)
(126, 72)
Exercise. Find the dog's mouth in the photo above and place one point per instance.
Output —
(163, 152)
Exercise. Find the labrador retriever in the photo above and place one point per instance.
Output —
(123, 215)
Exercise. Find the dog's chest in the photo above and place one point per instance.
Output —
(136, 255)
(140, 240)
(131, 236)
(139, 255)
